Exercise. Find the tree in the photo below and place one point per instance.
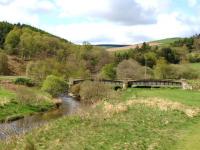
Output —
(39, 70)
(109, 71)
(150, 59)
(161, 69)
(5, 28)
(4, 64)
(130, 69)
(170, 55)
(145, 47)
(12, 40)
(197, 43)
(54, 85)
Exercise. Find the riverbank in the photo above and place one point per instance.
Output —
(19, 101)
(132, 121)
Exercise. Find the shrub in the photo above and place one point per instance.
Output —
(33, 97)
(24, 81)
(166, 71)
(195, 84)
(194, 57)
(91, 92)
(54, 85)
(26, 96)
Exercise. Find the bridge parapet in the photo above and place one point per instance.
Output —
(136, 83)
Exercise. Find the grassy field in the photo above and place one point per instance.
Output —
(127, 123)
(191, 98)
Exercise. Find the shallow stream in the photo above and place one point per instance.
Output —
(69, 106)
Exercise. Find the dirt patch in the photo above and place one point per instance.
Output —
(162, 104)
(114, 109)
(16, 65)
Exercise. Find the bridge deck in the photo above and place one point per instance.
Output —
(136, 83)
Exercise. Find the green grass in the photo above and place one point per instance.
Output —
(191, 98)
(6, 94)
(139, 127)
(190, 140)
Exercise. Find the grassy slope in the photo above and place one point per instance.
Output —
(167, 41)
(160, 43)
(139, 127)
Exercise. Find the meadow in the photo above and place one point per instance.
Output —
(139, 119)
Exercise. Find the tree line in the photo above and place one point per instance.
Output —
(47, 54)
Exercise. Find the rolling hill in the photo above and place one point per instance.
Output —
(113, 48)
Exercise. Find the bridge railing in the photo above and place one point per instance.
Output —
(135, 83)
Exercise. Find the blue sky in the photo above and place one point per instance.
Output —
(107, 21)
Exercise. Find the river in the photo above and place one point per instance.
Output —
(69, 106)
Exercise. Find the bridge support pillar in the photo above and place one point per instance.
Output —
(125, 85)
(71, 82)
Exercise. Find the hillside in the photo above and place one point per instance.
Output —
(111, 45)
(163, 42)
(113, 49)
(28, 48)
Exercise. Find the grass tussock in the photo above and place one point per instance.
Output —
(164, 105)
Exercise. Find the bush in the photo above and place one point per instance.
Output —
(194, 57)
(24, 81)
(26, 96)
(91, 92)
(195, 84)
(166, 71)
(32, 97)
(54, 85)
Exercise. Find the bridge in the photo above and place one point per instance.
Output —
(138, 83)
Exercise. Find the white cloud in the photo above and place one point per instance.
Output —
(105, 21)
(24, 11)
(168, 25)
(125, 12)
(192, 3)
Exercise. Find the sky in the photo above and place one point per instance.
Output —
(107, 21)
